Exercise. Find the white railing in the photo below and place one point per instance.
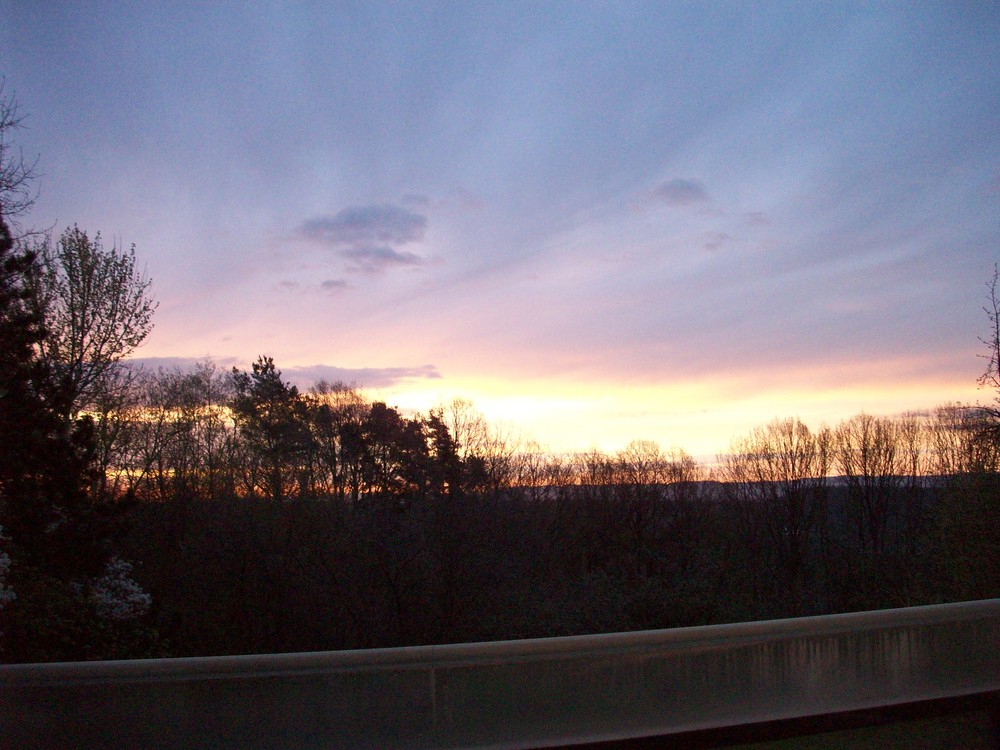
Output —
(513, 694)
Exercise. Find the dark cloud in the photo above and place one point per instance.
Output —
(366, 225)
(681, 192)
(334, 285)
(368, 237)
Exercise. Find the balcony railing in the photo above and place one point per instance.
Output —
(621, 689)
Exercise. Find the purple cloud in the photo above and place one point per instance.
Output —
(681, 192)
(368, 237)
(364, 225)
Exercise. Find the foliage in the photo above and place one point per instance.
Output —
(116, 595)
(97, 309)
(314, 520)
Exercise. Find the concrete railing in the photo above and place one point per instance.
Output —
(513, 694)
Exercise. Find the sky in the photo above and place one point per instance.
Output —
(599, 222)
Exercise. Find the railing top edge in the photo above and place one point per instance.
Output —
(438, 656)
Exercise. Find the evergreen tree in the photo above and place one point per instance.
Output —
(39, 460)
(271, 417)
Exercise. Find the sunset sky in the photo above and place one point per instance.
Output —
(598, 221)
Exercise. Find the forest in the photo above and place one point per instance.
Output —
(318, 522)
(204, 511)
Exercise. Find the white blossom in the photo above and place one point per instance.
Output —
(7, 594)
(116, 595)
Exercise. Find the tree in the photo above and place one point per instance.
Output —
(97, 308)
(868, 454)
(991, 375)
(335, 412)
(21, 373)
(969, 543)
(56, 539)
(445, 467)
(880, 463)
(396, 456)
(955, 434)
(174, 436)
(777, 478)
(271, 418)
(42, 457)
(17, 174)
(641, 470)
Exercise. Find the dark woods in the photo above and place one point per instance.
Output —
(265, 519)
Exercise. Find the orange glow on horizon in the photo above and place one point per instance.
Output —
(701, 415)
(701, 418)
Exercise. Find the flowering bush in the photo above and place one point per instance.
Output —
(7, 594)
(116, 595)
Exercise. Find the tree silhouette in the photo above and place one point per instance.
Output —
(271, 418)
(58, 538)
(97, 308)
(17, 194)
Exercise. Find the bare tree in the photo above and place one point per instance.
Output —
(178, 434)
(991, 375)
(955, 442)
(488, 451)
(776, 478)
(17, 195)
(467, 426)
(640, 472)
(869, 453)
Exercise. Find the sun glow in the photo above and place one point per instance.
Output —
(702, 418)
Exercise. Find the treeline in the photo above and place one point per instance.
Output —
(211, 435)
(251, 516)
(268, 520)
